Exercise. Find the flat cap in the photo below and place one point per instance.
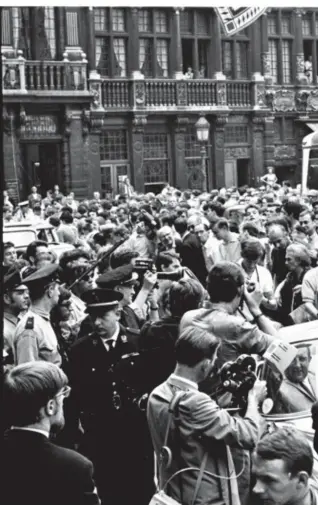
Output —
(44, 275)
(121, 276)
(13, 281)
(98, 298)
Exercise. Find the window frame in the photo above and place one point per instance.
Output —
(313, 40)
(154, 36)
(167, 159)
(234, 41)
(197, 37)
(281, 37)
(109, 35)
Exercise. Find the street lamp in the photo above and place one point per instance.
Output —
(202, 127)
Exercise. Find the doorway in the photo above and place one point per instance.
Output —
(41, 166)
(187, 54)
(112, 177)
(242, 171)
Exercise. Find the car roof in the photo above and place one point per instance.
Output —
(299, 332)
(27, 224)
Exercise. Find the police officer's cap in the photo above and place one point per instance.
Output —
(101, 299)
(13, 281)
(23, 204)
(43, 276)
(121, 276)
(73, 255)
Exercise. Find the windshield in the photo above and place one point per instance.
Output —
(296, 389)
(20, 238)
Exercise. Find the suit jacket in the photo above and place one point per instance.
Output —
(203, 427)
(37, 472)
(192, 256)
(293, 397)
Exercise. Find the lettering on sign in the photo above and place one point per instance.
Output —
(39, 126)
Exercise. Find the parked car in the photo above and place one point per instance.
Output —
(23, 233)
(289, 397)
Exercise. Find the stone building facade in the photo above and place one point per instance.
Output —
(90, 95)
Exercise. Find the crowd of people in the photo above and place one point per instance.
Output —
(113, 348)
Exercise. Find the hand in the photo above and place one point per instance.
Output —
(259, 391)
(253, 299)
(150, 280)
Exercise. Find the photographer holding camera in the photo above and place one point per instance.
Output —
(202, 431)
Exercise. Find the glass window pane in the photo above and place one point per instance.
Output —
(144, 20)
(120, 69)
(100, 19)
(237, 134)
(203, 46)
(286, 21)
(5, 27)
(155, 145)
(307, 24)
(103, 56)
(16, 23)
(272, 24)
(118, 20)
(161, 21)
(49, 26)
(113, 145)
(273, 60)
(241, 60)
(162, 58)
(227, 58)
(145, 57)
(186, 21)
(286, 61)
(202, 22)
(192, 147)
(289, 129)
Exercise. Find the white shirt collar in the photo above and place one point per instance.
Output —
(183, 379)
(43, 432)
(114, 337)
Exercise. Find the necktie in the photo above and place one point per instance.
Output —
(110, 344)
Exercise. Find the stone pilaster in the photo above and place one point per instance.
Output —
(257, 166)
(218, 150)
(180, 125)
(138, 124)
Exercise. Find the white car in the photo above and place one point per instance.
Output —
(288, 396)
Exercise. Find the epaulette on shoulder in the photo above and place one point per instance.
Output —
(29, 325)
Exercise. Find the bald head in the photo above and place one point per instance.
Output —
(278, 236)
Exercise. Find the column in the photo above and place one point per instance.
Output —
(78, 170)
(11, 156)
(257, 168)
(217, 49)
(137, 136)
(269, 139)
(91, 40)
(218, 174)
(134, 45)
(266, 68)
(181, 178)
(96, 124)
(299, 48)
(178, 73)
(256, 49)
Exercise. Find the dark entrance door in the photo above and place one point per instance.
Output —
(41, 165)
(242, 171)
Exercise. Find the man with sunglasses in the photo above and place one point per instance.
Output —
(33, 396)
(34, 338)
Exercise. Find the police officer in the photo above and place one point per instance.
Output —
(15, 301)
(124, 280)
(115, 436)
(34, 338)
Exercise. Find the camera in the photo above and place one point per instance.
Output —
(238, 378)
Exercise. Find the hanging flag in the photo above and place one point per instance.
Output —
(234, 19)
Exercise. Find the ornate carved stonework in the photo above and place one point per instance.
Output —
(8, 118)
(301, 99)
(67, 122)
(219, 140)
(260, 95)
(221, 93)
(181, 123)
(221, 121)
(285, 152)
(284, 100)
(236, 152)
(93, 121)
(95, 89)
(86, 120)
(266, 64)
(181, 94)
(300, 12)
(139, 122)
(312, 101)
(258, 123)
(140, 94)
(300, 63)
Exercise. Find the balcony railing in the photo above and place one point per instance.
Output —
(22, 76)
(163, 94)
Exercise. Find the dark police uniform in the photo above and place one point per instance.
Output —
(122, 276)
(116, 436)
(34, 338)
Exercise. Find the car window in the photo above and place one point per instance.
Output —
(296, 389)
(20, 238)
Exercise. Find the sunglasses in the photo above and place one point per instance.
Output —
(65, 392)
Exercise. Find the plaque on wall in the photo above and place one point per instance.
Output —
(285, 152)
(39, 126)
